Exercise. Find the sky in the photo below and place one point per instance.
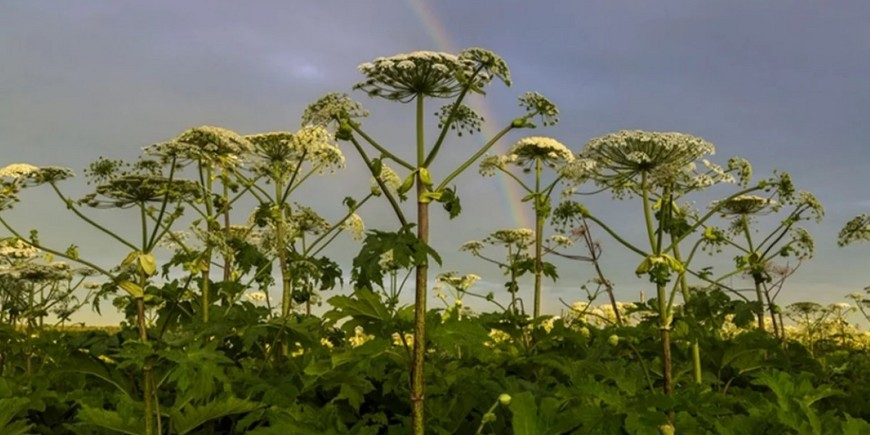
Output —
(782, 84)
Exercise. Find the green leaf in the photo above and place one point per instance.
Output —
(9, 408)
(425, 177)
(407, 184)
(191, 417)
(406, 249)
(111, 420)
(198, 370)
(148, 264)
(450, 202)
(525, 414)
(363, 304)
(135, 290)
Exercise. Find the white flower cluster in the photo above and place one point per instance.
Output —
(630, 152)
(306, 220)
(405, 76)
(332, 107)
(490, 164)
(459, 282)
(386, 261)
(36, 272)
(18, 170)
(537, 104)
(547, 149)
(355, 226)
(256, 297)
(578, 170)
(389, 177)
(857, 229)
(561, 241)
(691, 178)
(511, 236)
(472, 246)
(359, 337)
(743, 205)
(16, 248)
(601, 315)
(490, 64)
(316, 144)
(205, 143)
(408, 339)
(548, 324)
(16, 176)
(497, 336)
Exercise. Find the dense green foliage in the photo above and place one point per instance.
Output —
(346, 373)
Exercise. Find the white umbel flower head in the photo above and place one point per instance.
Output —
(511, 236)
(857, 229)
(548, 150)
(490, 164)
(459, 282)
(625, 154)
(355, 226)
(205, 143)
(744, 205)
(18, 170)
(315, 144)
(405, 76)
(17, 249)
(392, 181)
(432, 74)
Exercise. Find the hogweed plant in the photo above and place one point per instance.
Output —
(415, 78)
(516, 243)
(142, 188)
(34, 287)
(657, 168)
(214, 153)
(531, 155)
(757, 253)
(285, 161)
(458, 286)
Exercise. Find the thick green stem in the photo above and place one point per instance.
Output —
(148, 394)
(665, 329)
(228, 259)
(684, 288)
(663, 305)
(381, 149)
(420, 293)
(148, 374)
(759, 295)
(205, 283)
(615, 236)
(647, 215)
(473, 158)
(539, 238)
(280, 236)
(393, 203)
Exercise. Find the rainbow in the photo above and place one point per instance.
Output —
(512, 194)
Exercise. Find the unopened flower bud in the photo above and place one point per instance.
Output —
(504, 399)
(666, 429)
(613, 340)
